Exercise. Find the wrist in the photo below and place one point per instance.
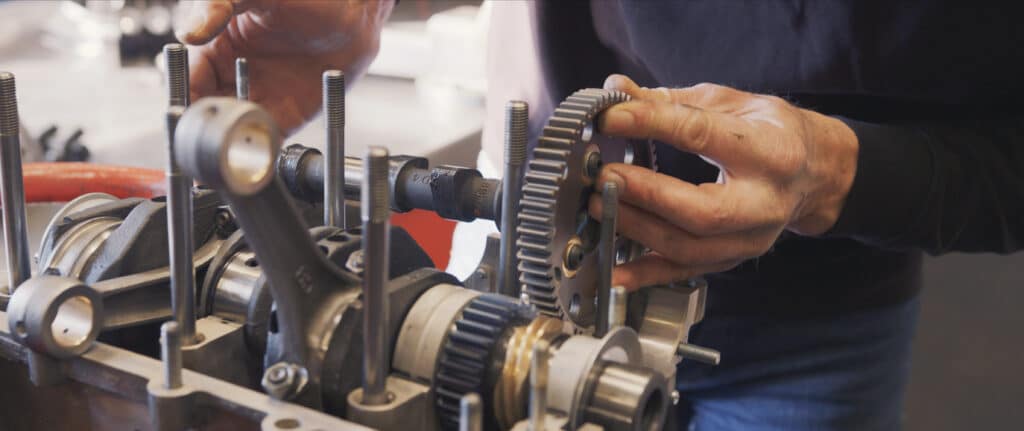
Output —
(833, 150)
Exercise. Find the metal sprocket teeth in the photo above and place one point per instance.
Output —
(555, 191)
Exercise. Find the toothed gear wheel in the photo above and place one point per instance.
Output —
(557, 238)
(473, 355)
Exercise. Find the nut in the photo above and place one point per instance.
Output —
(284, 380)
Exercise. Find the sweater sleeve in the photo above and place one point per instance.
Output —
(938, 187)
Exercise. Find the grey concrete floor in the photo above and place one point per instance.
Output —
(969, 351)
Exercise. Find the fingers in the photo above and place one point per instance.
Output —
(725, 138)
(200, 21)
(712, 97)
(705, 209)
(684, 247)
(653, 269)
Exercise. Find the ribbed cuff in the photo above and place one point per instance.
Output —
(892, 185)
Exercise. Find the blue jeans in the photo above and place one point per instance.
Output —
(842, 372)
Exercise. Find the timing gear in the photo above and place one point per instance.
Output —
(557, 237)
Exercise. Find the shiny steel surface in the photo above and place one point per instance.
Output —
(510, 393)
(516, 133)
(242, 79)
(180, 243)
(170, 354)
(12, 189)
(471, 412)
(628, 397)
(376, 214)
(606, 257)
(235, 287)
(334, 154)
(540, 368)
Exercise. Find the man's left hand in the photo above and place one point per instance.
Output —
(782, 168)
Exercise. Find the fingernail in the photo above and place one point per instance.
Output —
(617, 119)
(616, 82)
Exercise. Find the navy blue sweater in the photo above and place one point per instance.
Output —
(932, 90)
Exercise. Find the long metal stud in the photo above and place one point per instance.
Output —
(471, 414)
(176, 58)
(375, 214)
(170, 354)
(12, 188)
(242, 78)
(334, 156)
(516, 129)
(180, 237)
(617, 307)
(539, 385)
(606, 256)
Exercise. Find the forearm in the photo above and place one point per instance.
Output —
(942, 188)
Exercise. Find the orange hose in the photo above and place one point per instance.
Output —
(64, 181)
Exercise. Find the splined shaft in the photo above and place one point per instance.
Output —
(375, 214)
(12, 189)
(334, 156)
(176, 56)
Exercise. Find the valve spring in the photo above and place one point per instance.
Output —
(8, 105)
(334, 98)
(375, 204)
(177, 74)
(516, 118)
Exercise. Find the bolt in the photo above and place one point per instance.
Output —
(176, 56)
(593, 164)
(334, 156)
(12, 188)
(284, 380)
(516, 131)
(170, 343)
(573, 257)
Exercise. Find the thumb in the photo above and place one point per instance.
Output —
(198, 22)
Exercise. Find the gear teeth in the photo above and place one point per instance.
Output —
(468, 354)
(542, 183)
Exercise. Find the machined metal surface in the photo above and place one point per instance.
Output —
(471, 413)
(557, 238)
(12, 189)
(334, 156)
(376, 217)
(606, 258)
(170, 354)
(180, 240)
(516, 131)
(176, 59)
(425, 328)
(56, 316)
(628, 397)
(242, 78)
(540, 370)
(663, 316)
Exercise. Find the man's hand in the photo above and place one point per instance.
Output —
(288, 44)
(781, 168)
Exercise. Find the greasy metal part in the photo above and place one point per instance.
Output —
(452, 192)
(242, 78)
(617, 302)
(425, 328)
(180, 241)
(170, 354)
(334, 157)
(699, 354)
(606, 257)
(127, 379)
(516, 131)
(471, 414)
(511, 391)
(376, 217)
(553, 215)
(407, 408)
(231, 146)
(176, 60)
(539, 373)
(628, 397)
(578, 360)
(56, 316)
(12, 189)
(663, 316)
(485, 277)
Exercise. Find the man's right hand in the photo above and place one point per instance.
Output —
(288, 44)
